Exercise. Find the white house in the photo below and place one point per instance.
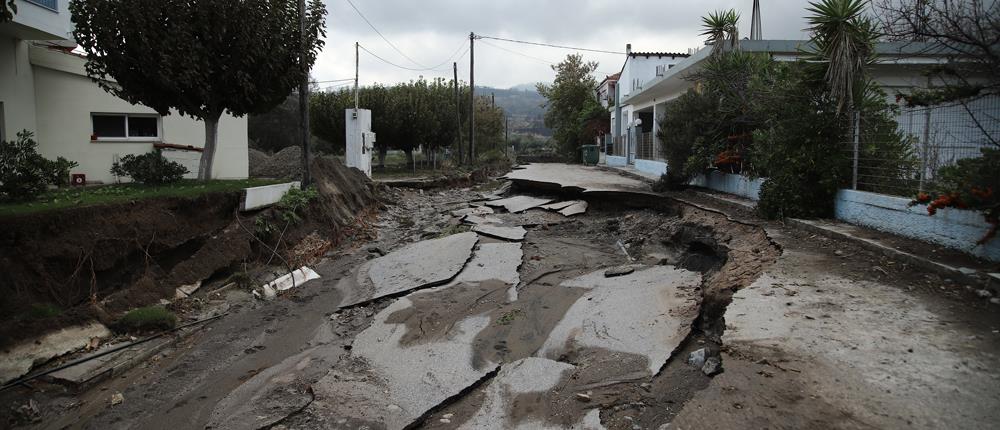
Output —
(899, 68)
(640, 69)
(45, 90)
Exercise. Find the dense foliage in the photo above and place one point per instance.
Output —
(24, 173)
(789, 122)
(151, 168)
(410, 115)
(200, 58)
(572, 105)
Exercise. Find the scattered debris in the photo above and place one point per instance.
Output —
(117, 399)
(618, 271)
(284, 283)
(185, 291)
(698, 357)
(712, 366)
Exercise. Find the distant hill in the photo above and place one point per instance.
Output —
(530, 86)
(523, 105)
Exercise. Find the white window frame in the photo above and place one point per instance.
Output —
(127, 138)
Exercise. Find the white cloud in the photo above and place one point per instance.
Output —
(430, 30)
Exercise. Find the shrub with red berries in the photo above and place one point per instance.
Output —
(970, 184)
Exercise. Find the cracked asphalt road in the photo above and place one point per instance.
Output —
(531, 334)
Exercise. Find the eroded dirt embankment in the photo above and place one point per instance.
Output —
(99, 261)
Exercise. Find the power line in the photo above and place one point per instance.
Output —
(548, 45)
(333, 80)
(382, 35)
(534, 58)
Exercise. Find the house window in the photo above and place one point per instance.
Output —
(125, 127)
(52, 5)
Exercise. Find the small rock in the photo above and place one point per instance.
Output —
(618, 271)
(995, 300)
(712, 366)
(984, 293)
(697, 358)
(445, 421)
(447, 416)
(583, 397)
(117, 399)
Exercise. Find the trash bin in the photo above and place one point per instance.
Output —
(590, 154)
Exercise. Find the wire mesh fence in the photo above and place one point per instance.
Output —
(648, 147)
(926, 139)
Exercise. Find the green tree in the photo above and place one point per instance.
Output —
(722, 29)
(844, 39)
(199, 57)
(568, 96)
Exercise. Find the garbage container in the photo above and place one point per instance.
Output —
(590, 154)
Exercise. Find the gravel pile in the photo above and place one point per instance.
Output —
(285, 164)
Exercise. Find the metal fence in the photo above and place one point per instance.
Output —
(928, 139)
(648, 147)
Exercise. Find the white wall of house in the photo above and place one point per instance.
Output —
(66, 98)
(40, 20)
(16, 88)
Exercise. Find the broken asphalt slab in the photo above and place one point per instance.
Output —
(418, 265)
(420, 350)
(477, 210)
(647, 313)
(518, 204)
(534, 381)
(501, 232)
(574, 209)
(21, 358)
(577, 178)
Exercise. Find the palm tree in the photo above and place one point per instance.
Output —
(722, 29)
(844, 39)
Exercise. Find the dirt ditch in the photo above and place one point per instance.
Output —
(97, 262)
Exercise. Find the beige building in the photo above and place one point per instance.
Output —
(44, 89)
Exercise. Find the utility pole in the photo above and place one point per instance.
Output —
(506, 133)
(472, 97)
(304, 98)
(458, 112)
(493, 99)
(356, 61)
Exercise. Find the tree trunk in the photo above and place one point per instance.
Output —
(211, 141)
(382, 150)
(409, 158)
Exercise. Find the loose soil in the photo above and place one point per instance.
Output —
(98, 262)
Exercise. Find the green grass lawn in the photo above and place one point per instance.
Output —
(107, 194)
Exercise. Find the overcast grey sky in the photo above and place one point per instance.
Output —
(429, 31)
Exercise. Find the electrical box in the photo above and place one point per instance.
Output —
(360, 140)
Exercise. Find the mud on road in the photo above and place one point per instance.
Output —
(589, 321)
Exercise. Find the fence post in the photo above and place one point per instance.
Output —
(857, 140)
(926, 148)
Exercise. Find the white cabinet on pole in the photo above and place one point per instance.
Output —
(360, 139)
